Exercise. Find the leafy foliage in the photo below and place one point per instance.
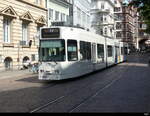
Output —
(144, 10)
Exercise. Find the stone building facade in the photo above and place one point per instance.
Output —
(126, 18)
(59, 12)
(143, 41)
(20, 21)
(102, 17)
(118, 13)
(130, 25)
(81, 13)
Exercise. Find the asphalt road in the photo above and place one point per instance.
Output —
(122, 88)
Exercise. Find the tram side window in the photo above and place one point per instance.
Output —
(72, 50)
(110, 51)
(125, 50)
(85, 50)
(88, 50)
(100, 51)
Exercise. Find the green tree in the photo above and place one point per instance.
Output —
(143, 7)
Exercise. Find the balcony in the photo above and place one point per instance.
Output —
(94, 23)
(99, 10)
(24, 44)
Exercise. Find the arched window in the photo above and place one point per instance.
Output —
(8, 62)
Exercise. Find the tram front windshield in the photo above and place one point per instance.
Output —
(52, 50)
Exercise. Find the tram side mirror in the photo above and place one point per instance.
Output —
(30, 43)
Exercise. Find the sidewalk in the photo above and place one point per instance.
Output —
(16, 73)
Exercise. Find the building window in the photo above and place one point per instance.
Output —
(105, 31)
(102, 6)
(50, 14)
(141, 33)
(7, 30)
(33, 57)
(85, 50)
(118, 25)
(62, 17)
(67, 18)
(88, 19)
(101, 31)
(38, 2)
(84, 17)
(46, 4)
(101, 18)
(36, 41)
(79, 15)
(119, 35)
(57, 15)
(72, 50)
(117, 9)
(24, 33)
(105, 18)
(122, 51)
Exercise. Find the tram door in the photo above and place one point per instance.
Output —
(94, 53)
(117, 54)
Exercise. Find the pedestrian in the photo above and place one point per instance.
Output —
(128, 51)
(35, 68)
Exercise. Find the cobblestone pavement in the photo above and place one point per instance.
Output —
(122, 88)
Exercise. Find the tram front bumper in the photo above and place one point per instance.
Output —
(50, 77)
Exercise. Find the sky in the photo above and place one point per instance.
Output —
(89, 0)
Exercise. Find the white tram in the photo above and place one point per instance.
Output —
(67, 52)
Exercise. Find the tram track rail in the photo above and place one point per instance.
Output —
(50, 102)
(94, 95)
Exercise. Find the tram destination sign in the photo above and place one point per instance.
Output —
(50, 33)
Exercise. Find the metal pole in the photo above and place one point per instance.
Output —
(18, 56)
(106, 50)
